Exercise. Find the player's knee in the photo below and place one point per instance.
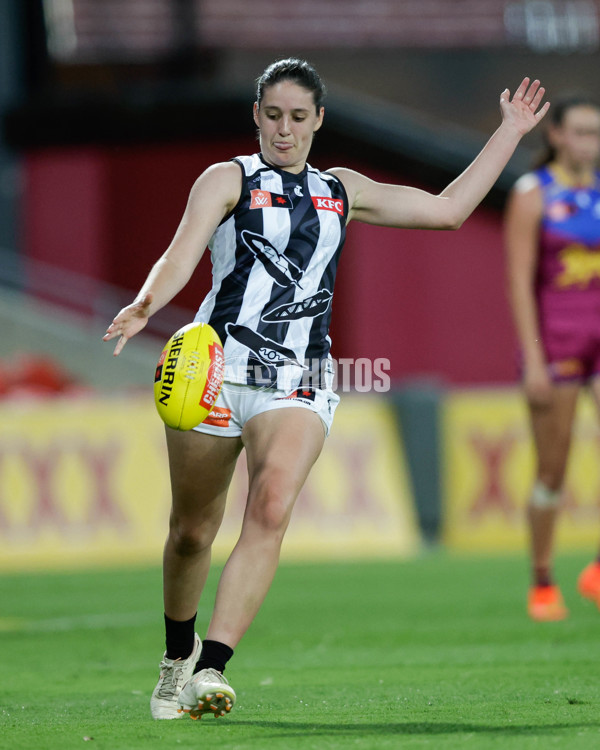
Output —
(545, 494)
(188, 540)
(269, 503)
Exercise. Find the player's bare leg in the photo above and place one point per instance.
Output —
(552, 428)
(281, 445)
(201, 468)
(588, 583)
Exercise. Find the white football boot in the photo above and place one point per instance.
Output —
(174, 673)
(207, 692)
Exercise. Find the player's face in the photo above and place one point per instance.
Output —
(577, 138)
(287, 120)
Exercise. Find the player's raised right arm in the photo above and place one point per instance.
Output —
(213, 195)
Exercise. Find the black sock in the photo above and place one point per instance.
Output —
(179, 637)
(214, 655)
(542, 576)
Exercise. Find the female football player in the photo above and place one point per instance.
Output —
(553, 253)
(275, 227)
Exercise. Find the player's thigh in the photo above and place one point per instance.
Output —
(281, 447)
(201, 467)
(552, 427)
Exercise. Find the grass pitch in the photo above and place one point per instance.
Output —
(434, 652)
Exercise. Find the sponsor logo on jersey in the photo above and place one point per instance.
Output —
(280, 268)
(580, 266)
(559, 210)
(310, 307)
(265, 199)
(219, 417)
(329, 204)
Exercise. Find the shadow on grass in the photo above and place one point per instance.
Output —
(290, 729)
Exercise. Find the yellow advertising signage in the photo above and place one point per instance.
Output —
(85, 481)
(489, 467)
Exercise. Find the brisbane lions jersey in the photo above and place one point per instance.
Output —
(274, 260)
(569, 242)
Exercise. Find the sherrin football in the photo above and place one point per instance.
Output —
(189, 376)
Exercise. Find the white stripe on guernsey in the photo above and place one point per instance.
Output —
(329, 239)
(223, 249)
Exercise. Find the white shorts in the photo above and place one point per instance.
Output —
(238, 403)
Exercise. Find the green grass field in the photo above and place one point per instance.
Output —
(429, 653)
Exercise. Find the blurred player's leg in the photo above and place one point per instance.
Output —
(552, 427)
(588, 583)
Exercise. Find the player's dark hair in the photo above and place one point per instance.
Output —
(556, 116)
(295, 70)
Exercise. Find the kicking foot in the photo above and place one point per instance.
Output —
(207, 692)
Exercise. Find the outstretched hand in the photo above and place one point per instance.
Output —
(128, 322)
(520, 111)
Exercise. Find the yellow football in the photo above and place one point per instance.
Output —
(189, 376)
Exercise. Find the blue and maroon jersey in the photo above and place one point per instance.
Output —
(568, 275)
(569, 241)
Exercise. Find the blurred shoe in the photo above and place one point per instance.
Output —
(588, 583)
(174, 673)
(545, 604)
(207, 692)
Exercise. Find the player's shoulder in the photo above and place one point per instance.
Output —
(220, 182)
(351, 180)
(222, 169)
(527, 183)
(343, 174)
(219, 175)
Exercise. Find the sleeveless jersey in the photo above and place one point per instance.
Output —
(568, 275)
(274, 261)
(569, 240)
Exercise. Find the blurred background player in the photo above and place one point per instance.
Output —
(553, 256)
(272, 201)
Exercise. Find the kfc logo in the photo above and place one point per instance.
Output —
(329, 204)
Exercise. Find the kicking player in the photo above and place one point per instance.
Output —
(275, 227)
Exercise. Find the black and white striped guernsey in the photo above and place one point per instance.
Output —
(274, 260)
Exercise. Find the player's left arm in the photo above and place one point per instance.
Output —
(399, 206)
